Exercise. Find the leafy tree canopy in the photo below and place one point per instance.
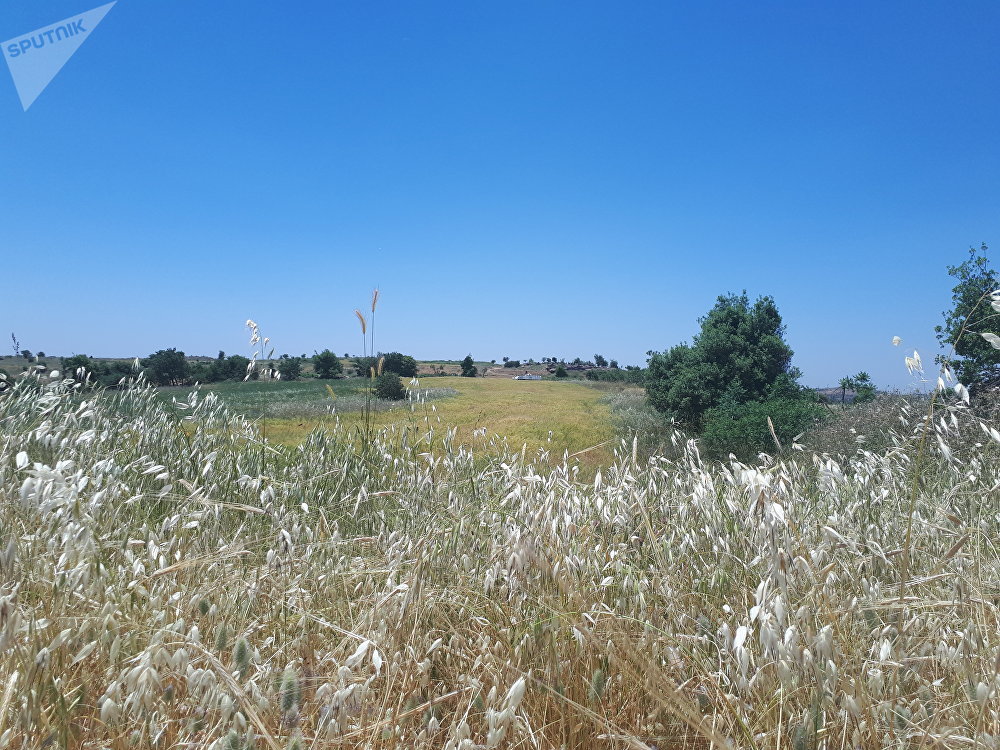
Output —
(974, 359)
(739, 354)
(71, 364)
(327, 364)
(401, 364)
(469, 369)
(290, 368)
(861, 384)
(388, 386)
(233, 367)
(167, 367)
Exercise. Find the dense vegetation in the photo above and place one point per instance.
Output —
(327, 365)
(735, 383)
(970, 324)
(401, 364)
(171, 582)
(630, 375)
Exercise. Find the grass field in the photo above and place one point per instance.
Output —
(549, 415)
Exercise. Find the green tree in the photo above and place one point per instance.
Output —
(561, 372)
(111, 374)
(237, 367)
(167, 367)
(26, 353)
(233, 367)
(863, 387)
(974, 359)
(290, 368)
(739, 353)
(388, 386)
(327, 364)
(735, 374)
(77, 366)
(468, 367)
(401, 364)
(846, 384)
(600, 361)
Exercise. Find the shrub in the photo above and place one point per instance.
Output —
(561, 372)
(512, 363)
(290, 368)
(388, 386)
(636, 377)
(401, 364)
(233, 367)
(72, 365)
(108, 374)
(742, 429)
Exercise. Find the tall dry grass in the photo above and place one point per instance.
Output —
(169, 586)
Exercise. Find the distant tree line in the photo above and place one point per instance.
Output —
(599, 361)
(170, 367)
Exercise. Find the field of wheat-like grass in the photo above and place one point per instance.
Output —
(172, 587)
(545, 415)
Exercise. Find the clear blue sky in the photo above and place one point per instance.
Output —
(519, 178)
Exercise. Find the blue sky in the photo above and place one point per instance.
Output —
(519, 178)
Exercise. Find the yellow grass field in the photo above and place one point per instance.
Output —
(523, 411)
